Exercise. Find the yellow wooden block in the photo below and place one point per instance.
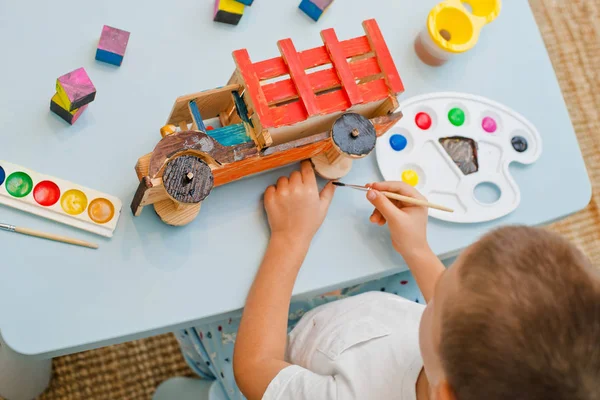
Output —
(231, 6)
(58, 107)
(228, 11)
(59, 102)
(61, 97)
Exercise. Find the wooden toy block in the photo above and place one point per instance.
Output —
(57, 107)
(273, 113)
(246, 2)
(112, 45)
(228, 11)
(314, 8)
(75, 89)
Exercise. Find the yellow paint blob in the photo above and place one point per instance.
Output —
(411, 177)
(74, 202)
(101, 210)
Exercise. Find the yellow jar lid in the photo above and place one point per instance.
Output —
(486, 9)
(456, 29)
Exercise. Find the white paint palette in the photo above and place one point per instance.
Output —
(58, 200)
(456, 147)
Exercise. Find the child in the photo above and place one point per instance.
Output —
(516, 317)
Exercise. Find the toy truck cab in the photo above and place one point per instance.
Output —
(327, 104)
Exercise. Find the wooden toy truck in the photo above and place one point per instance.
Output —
(328, 104)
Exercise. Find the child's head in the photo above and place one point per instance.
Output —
(516, 317)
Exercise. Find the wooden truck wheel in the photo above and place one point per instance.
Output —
(188, 180)
(331, 171)
(169, 213)
(353, 135)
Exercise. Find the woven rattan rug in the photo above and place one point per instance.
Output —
(572, 35)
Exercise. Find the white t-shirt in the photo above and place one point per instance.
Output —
(362, 347)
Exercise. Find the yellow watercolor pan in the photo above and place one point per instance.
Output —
(455, 28)
(58, 200)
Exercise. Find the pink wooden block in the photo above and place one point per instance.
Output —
(112, 46)
(75, 89)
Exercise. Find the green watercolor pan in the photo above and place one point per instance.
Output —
(58, 200)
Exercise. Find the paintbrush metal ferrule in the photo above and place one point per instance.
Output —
(359, 187)
(7, 227)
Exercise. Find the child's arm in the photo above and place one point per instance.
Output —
(408, 228)
(296, 210)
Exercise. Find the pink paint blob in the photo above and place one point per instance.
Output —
(489, 125)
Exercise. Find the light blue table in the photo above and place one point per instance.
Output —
(152, 278)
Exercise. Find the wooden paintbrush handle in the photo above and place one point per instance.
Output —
(416, 202)
(56, 238)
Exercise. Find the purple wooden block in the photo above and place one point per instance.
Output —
(112, 46)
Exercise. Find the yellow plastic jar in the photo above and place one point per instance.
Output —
(452, 28)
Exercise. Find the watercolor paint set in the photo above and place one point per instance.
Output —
(58, 200)
(452, 145)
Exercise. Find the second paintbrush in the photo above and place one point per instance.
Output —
(395, 196)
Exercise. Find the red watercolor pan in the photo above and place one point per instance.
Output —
(46, 193)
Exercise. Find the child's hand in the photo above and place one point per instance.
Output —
(407, 222)
(295, 207)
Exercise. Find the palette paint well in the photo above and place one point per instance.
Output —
(46, 193)
(19, 184)
(454, 146)
(58, 200)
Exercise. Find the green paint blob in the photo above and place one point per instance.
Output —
(19, 184)
(456, 116)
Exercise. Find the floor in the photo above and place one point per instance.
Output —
(571, 30)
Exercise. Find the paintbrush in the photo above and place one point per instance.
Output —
(395, 196)
(49, 236)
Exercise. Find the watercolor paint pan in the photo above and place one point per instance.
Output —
(58, 200)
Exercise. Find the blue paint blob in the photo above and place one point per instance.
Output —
(398, 142)
(2, 175)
